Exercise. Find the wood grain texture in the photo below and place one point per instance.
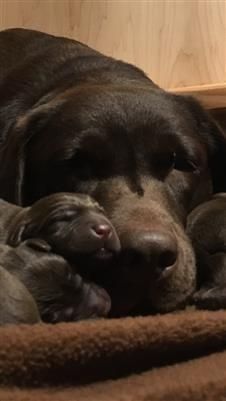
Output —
(211, 96)
(179, 43)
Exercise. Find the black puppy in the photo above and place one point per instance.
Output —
(207, 229)
(60, 294)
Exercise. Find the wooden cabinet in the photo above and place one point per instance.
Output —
(181, 44)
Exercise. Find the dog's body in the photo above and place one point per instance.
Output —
(72, 119)
(207, 230)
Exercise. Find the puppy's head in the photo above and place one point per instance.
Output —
(74, 225)
(148, 157)
(206, 224)
(206, 227)
(60, 293)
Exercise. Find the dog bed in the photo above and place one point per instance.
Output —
(180, 356)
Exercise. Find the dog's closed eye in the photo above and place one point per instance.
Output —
(185, 164)
(175, 161)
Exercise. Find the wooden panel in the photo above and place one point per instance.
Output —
(177, 42)
(211, 96)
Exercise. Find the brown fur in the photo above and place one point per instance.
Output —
(207, 229)
(17, 303)
(72, 119)
(60, 293)
(66, 222)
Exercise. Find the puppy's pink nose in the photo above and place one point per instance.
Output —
(102, 231)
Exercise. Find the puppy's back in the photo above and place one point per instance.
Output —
(206, 224)
(16, 303)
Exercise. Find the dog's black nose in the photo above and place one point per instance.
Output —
(155, 250)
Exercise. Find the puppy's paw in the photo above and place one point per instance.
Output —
(98, 302)
(90, 302)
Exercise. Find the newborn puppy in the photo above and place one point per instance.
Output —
(60, 294)
(73, 224)
(16, 303)
(206, 227)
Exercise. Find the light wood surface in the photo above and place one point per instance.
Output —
(179, 43)
(211, 96)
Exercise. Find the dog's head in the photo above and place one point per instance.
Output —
(147, 156)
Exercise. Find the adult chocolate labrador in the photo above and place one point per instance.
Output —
(72, 119)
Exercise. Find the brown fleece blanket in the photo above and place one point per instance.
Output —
(171, 357)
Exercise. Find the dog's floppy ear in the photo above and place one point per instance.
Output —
(218, 160)
(13, 150)
(213, 136)
(219, 154)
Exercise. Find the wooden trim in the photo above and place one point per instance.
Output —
(211, 96)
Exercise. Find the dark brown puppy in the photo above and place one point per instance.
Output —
(72, 119)
(60, 294)
(16, 303)
(207, 229)
(74, 225)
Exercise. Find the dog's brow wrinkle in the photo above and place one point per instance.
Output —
(140, 191)
(137, 188)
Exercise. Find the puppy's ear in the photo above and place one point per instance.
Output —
(213, 136)
(16, 236)
(38, 244)
(13, 151)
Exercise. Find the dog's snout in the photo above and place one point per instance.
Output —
(103, 231)
(156, 250)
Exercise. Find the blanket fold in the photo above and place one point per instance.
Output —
(36, 359)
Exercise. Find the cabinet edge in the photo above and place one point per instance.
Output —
(211, 96)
